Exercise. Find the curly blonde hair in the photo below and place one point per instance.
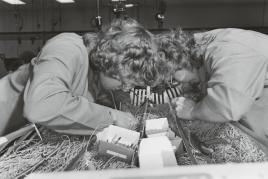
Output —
(128, 54)
(177, 50)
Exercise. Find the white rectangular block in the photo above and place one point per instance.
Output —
(156, 152)
(154, 126)
(119, 142)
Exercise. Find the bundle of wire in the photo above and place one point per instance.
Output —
(59, 152)
(55, 153)
(228, 143)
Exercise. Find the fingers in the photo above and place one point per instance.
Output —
(127, 121)
(101, 135)
(181, 99)
(173, 101)
(179, 103)
(179, 107)
(178, 100)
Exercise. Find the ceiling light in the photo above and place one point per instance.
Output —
(65, 1)
(14, 1)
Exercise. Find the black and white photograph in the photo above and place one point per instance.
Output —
(133, 89)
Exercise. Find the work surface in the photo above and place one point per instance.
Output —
(59, 152)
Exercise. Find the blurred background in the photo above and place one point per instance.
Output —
(25, 27)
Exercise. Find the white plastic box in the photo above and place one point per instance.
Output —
(119, 142)
(156, 152)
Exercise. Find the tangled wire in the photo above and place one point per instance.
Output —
(59, 152)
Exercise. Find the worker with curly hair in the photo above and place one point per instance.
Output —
(230, 65)
(64, 79)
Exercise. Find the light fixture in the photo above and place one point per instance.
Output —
(65, 1)
(17, 2)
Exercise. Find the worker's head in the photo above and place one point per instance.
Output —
(175, 52)
(125, 58)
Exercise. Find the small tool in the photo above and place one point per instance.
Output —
(37, 132)
(179, 128)
(4, 140)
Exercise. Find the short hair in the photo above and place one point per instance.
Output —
(128, 54)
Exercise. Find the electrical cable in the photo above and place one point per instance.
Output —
(98, 19)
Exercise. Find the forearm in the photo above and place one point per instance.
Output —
(222, 104)
(203, 112)
(60, 110)
(82, 119)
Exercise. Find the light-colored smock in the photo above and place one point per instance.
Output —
(55, 90)
(236, 63)
(57, 93)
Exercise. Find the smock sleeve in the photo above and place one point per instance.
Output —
(49, 98)
(236, 79)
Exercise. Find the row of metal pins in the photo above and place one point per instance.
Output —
(138, 96)
(167, 95)
(172, 92)
(142, 95)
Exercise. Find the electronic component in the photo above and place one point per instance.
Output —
(119, 142)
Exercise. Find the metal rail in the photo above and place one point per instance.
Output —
(179, 128)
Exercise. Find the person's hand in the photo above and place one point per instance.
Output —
(184, 107)
(124, 119)
(121, 119)
(101, 135)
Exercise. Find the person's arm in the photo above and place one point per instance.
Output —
(237, 79)
(49, 99)
(222, 104)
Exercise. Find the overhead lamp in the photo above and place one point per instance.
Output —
(119, 7)
(65, 1)
(16, 2)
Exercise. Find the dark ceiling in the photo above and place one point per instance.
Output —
(89, 3)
